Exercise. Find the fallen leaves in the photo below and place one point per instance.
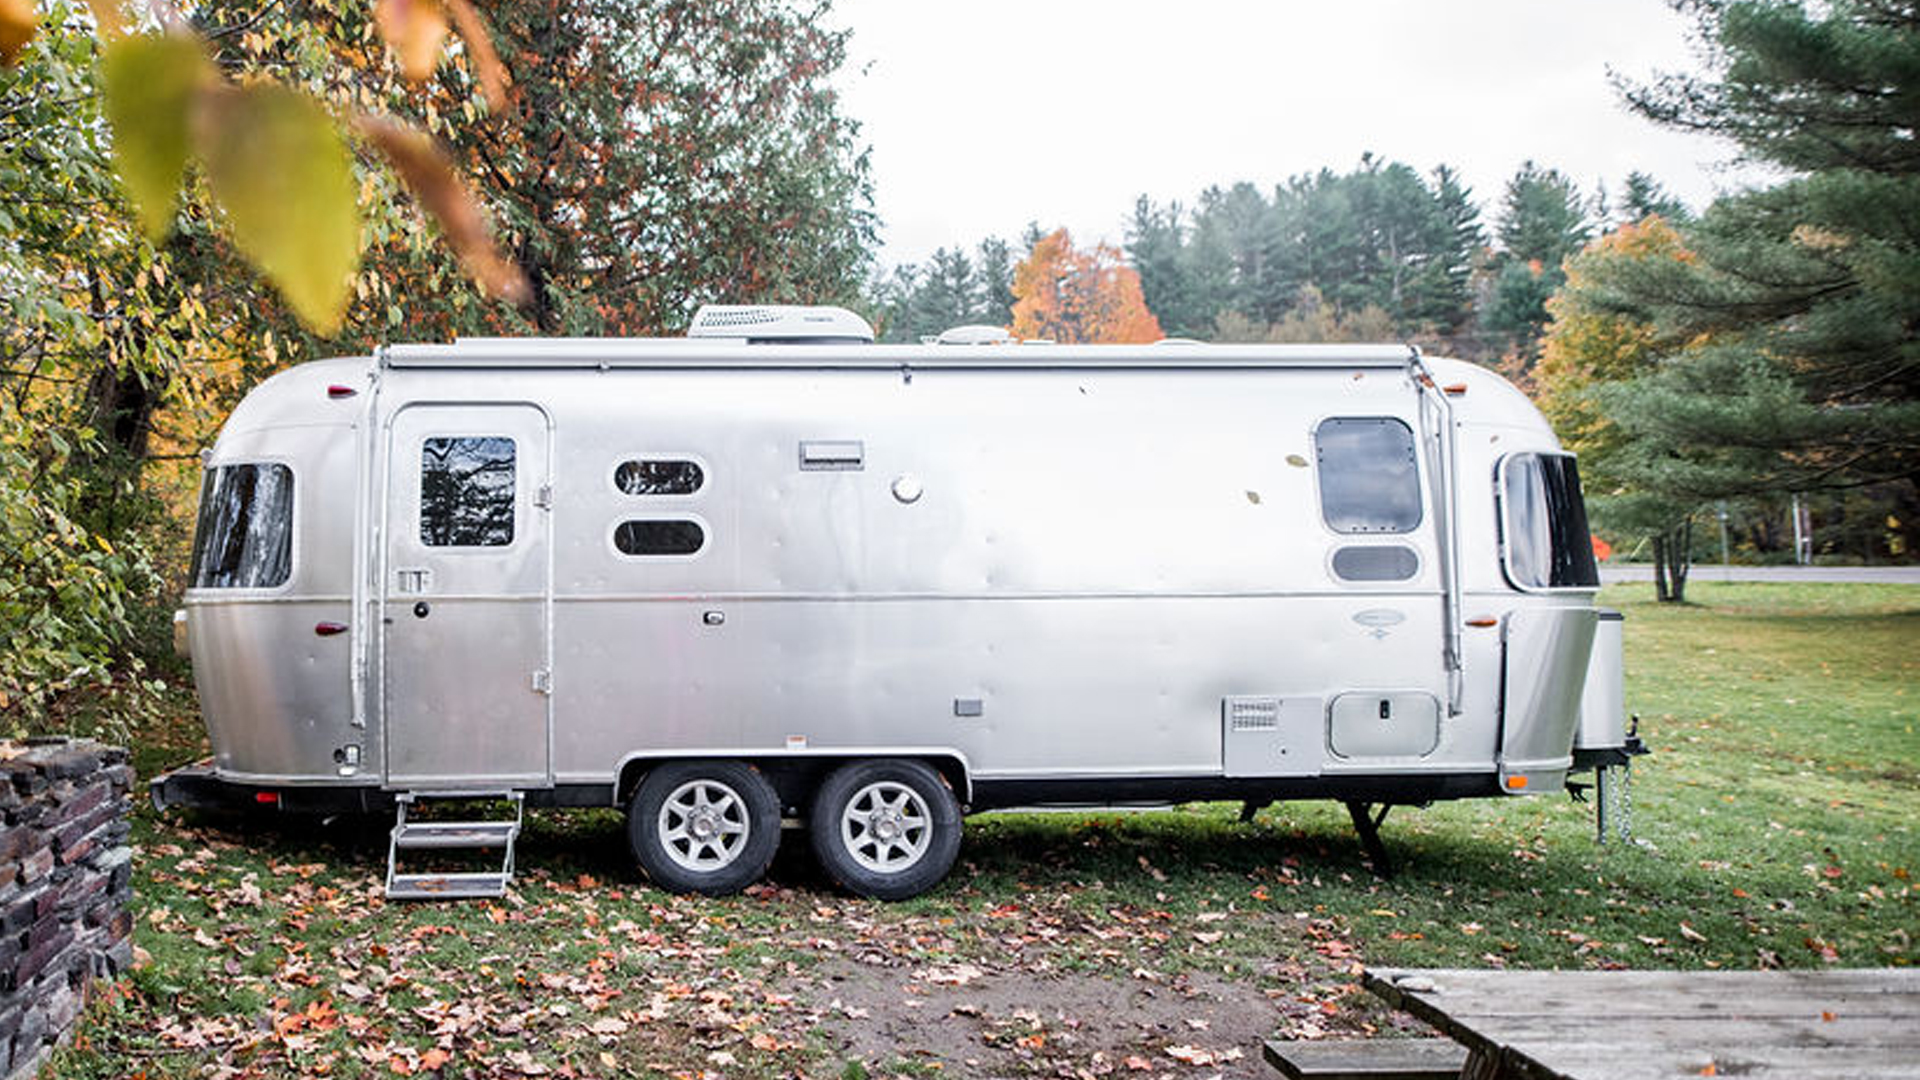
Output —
(1194, 1055)
(951, 975)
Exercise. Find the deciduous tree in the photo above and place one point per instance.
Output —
(1588, 349)
(1071, 296)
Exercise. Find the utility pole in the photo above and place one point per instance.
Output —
(1726, 563)
(1802, 533)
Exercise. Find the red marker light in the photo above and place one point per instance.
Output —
(267, 798)
(328, 629)
(336, 391)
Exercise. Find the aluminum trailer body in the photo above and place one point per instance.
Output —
(1037, 574)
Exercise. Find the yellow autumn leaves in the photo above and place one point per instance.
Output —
(274, 158)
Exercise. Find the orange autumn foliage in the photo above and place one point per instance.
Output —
(1079, 297)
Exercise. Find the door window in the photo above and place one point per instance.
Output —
(466, 491)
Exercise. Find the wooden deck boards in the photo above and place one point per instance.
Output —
(1626, 1025)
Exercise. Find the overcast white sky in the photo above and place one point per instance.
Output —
(986, 114)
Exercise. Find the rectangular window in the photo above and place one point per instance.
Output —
(244, 536)
(1369, 475)
(1544, 523)
(466, 491)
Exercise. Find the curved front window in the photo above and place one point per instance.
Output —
(244, 536)
(1543, 523)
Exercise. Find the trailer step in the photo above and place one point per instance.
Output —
(471, 886)
(452, 836)
(455, 834)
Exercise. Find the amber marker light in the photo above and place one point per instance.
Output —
(1456, 389)
(1515, 783)
(1484, 620)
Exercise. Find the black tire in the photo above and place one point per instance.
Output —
(888, 828)
(708, 827)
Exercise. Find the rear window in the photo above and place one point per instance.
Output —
(1369, 480)
(1544, 523)
(244, 536)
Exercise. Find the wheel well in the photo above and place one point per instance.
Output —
(795, 778)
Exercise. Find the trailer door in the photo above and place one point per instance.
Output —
(464, 657)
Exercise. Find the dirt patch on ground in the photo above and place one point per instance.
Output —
(975, 1020)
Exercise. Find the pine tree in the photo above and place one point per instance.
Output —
(1644, 197)
(1156, 247)
(995, 262)
(1543, 216)
(1798, 311)
(1543, 220)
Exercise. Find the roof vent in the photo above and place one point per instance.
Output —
(973, 335)
(780, 324)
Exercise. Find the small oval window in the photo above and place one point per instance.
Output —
(659, 537)
(658, 476)
(1389, 562)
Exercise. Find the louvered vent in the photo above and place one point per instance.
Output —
(738, 316)
(1253, 714)
(780, 324)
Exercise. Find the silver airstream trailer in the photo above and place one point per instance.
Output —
(775, 572)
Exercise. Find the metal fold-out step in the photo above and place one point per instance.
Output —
(452, 836)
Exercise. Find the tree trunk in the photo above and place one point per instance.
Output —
(1672, 562)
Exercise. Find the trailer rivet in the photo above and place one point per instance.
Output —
(907, 489)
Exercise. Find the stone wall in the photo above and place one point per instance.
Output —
(65, 879)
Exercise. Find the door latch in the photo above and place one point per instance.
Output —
(543, 681)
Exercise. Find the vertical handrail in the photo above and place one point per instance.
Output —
(1447, 533)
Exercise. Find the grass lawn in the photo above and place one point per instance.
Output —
(1776, 819)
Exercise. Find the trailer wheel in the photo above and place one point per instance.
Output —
(706, 827)
(888, 829)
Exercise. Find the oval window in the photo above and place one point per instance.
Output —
(658, 476)
(664, 536)
(1389, 562)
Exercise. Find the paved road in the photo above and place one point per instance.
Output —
(1882, 575)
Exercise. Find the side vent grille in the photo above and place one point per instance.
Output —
(717, 317)
(1253, 714)
(1264, 735)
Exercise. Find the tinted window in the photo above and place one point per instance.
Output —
(660, 537)
(1376, 563)
(658, 477)
(1369, 481)
(1547, 543)
(244, 536)
(466, 491)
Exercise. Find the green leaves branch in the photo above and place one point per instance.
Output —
(276, 164)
